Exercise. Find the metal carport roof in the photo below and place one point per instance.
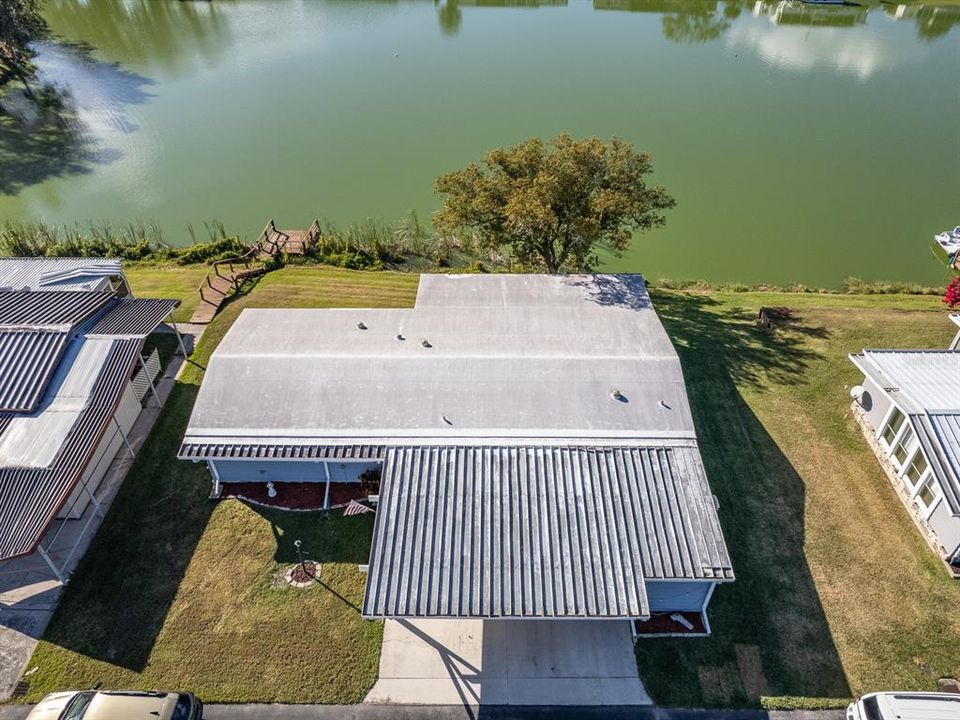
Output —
(133, 317)
(538, 532)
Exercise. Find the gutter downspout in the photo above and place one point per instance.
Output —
(326, 494)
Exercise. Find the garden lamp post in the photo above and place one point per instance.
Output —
(297, 544)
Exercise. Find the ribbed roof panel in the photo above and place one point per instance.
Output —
(28, 359)
(538, 532)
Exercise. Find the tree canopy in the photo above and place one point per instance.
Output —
(20, 22)
(554, 205)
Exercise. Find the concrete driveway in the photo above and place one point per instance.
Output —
(508, 662)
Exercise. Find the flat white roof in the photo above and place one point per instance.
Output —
(480, 357)
(924, 380)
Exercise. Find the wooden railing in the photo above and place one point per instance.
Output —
(251, 260)
(269, 244)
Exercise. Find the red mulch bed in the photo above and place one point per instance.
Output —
(660, 624)
(306, 572)
(295, 495)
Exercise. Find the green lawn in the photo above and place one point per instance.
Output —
(180, 592)
(168, 281)
(836, 594)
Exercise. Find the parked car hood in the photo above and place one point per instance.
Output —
(51, 706)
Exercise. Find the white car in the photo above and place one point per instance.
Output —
(905, 706)
(117, 705)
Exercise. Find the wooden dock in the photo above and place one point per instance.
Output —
(226, 277)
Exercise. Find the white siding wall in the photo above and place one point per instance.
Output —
(112, 442)
(665, 595)
(874, 402)
(946, 526)
(289, 470)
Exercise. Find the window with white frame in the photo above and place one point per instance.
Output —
(916, 470)
(903, 447)
(928, 493)
(892, 427)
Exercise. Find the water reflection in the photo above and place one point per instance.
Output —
(699, 21)
(62, 126)
(932, 21)
(451, 17)
(169, 36)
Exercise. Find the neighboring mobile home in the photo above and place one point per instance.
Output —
(66, 273)
(909, 409)
(536, 444)
(72, 380)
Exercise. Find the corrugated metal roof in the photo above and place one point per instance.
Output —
(61, 310)
(133, 317)
(30, 497)
(944, 431)
(28, 359)
(538, 532)
(279, 451)
(51, 273)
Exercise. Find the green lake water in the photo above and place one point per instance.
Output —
(801, 143)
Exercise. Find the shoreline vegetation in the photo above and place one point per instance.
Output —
(405, 246)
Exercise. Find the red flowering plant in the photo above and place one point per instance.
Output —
(952, 295)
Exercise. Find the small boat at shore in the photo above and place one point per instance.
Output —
(946, 246)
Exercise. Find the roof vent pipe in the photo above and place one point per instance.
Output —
(426, 343)
(361, 326)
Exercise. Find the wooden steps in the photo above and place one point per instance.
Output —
(225, 277)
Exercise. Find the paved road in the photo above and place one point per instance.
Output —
(458, 712)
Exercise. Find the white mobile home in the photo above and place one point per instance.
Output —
(536, 445)
(61, 274)
(909, 408)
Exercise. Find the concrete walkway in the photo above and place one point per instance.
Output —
(508, 662)
(439, 712)
(29, 591)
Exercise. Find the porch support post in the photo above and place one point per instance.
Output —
(93, 499)
(124, 436)
(183, 350)
(212, 466)
(706, 600)
(153, 388)
(326, 494)
(56, 570)
(956, 341)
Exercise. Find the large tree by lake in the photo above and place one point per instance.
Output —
(20, 22)
(554, 205)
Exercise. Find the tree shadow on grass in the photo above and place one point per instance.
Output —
(121, 593)
(770, 633)
(325, 536)
(57, 128)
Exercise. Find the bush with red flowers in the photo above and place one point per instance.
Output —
(952, 296)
